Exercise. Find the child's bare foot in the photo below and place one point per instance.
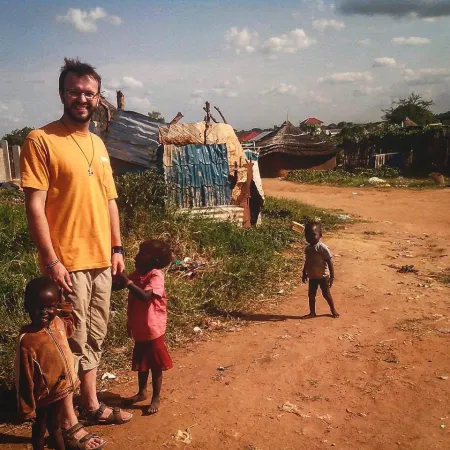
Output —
(154, 406)
(139, 397)
(309, 316)
(335, 314)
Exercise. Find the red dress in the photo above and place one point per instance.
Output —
(147, 322)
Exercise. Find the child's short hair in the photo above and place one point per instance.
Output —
(311, 224)
(35, 286)
(161, 252)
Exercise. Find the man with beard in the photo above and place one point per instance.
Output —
(73, 218)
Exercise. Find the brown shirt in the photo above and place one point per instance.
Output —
(44, 366)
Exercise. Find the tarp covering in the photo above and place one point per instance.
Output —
(197, 175)
(199, 133)
(290, 139)
(133, 137)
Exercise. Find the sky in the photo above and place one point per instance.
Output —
(259, 61)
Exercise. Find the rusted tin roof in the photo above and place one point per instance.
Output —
(133, 137)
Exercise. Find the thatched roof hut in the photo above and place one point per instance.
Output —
(288, 148)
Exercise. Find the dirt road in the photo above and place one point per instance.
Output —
(376, 378)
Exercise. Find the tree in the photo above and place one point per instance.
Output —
(156, 116)
(444, 118)
(17, 137)
(414, 107)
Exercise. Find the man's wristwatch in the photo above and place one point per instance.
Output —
(117, 249)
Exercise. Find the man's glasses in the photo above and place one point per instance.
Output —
(87, 95)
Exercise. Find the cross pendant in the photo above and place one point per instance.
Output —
(90, 171)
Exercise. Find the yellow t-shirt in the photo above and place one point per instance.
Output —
(77, 203)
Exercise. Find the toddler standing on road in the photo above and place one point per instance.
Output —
(318, 269)
(147, 318)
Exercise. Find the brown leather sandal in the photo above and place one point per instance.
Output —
(72, 443)
(95, 417)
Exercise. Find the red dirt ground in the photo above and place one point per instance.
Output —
(376, 378)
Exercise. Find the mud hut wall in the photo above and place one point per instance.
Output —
(279, 164)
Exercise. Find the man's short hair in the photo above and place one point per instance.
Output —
(80, 68)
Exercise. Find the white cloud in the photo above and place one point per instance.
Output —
(3, 107)
(346, 77)
(223, 89)
(365, 42)
(281, 89)
(85, 21)
(426, 76)
(384, 61)
(323, 24)
(319, 98)
(125, 82)
(365, 91)
(430, 19)
(137, 104)
(288, 43)
(241, 40)
(412, 40)
(131, 82)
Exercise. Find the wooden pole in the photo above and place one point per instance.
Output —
(214, 120)
(176, 119)
(208, 112)
(221, 115)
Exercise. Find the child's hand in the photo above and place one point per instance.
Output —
(304, 278)
(119, 281)
(330, 281)
(121, 277)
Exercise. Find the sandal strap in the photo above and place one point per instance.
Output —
(71, 431)
(87, 437)
(117, 415)
(98, 414)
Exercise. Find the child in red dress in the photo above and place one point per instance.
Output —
(147, 319)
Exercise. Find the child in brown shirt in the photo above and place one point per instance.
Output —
(44, 368)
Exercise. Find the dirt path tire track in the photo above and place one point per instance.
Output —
(359, 382)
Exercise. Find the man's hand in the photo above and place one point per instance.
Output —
(118, 265)
(330, 281)
(61, 277)
(304, 277)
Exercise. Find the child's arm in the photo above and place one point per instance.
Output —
(139, 293)
(304, 274)
(330, 265)
(25, 387)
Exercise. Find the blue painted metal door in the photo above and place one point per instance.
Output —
(198, 176)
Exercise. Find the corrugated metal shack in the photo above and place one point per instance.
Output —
(131, 138)
(205, 166)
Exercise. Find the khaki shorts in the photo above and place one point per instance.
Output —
(91, 299)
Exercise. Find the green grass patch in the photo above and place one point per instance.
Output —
(359, 178)
(238, 264)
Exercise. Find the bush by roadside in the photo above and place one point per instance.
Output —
(358, 178)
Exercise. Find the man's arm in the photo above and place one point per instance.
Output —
(40, 232)
(117, 261)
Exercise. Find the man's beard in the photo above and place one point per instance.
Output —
(79, 119)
